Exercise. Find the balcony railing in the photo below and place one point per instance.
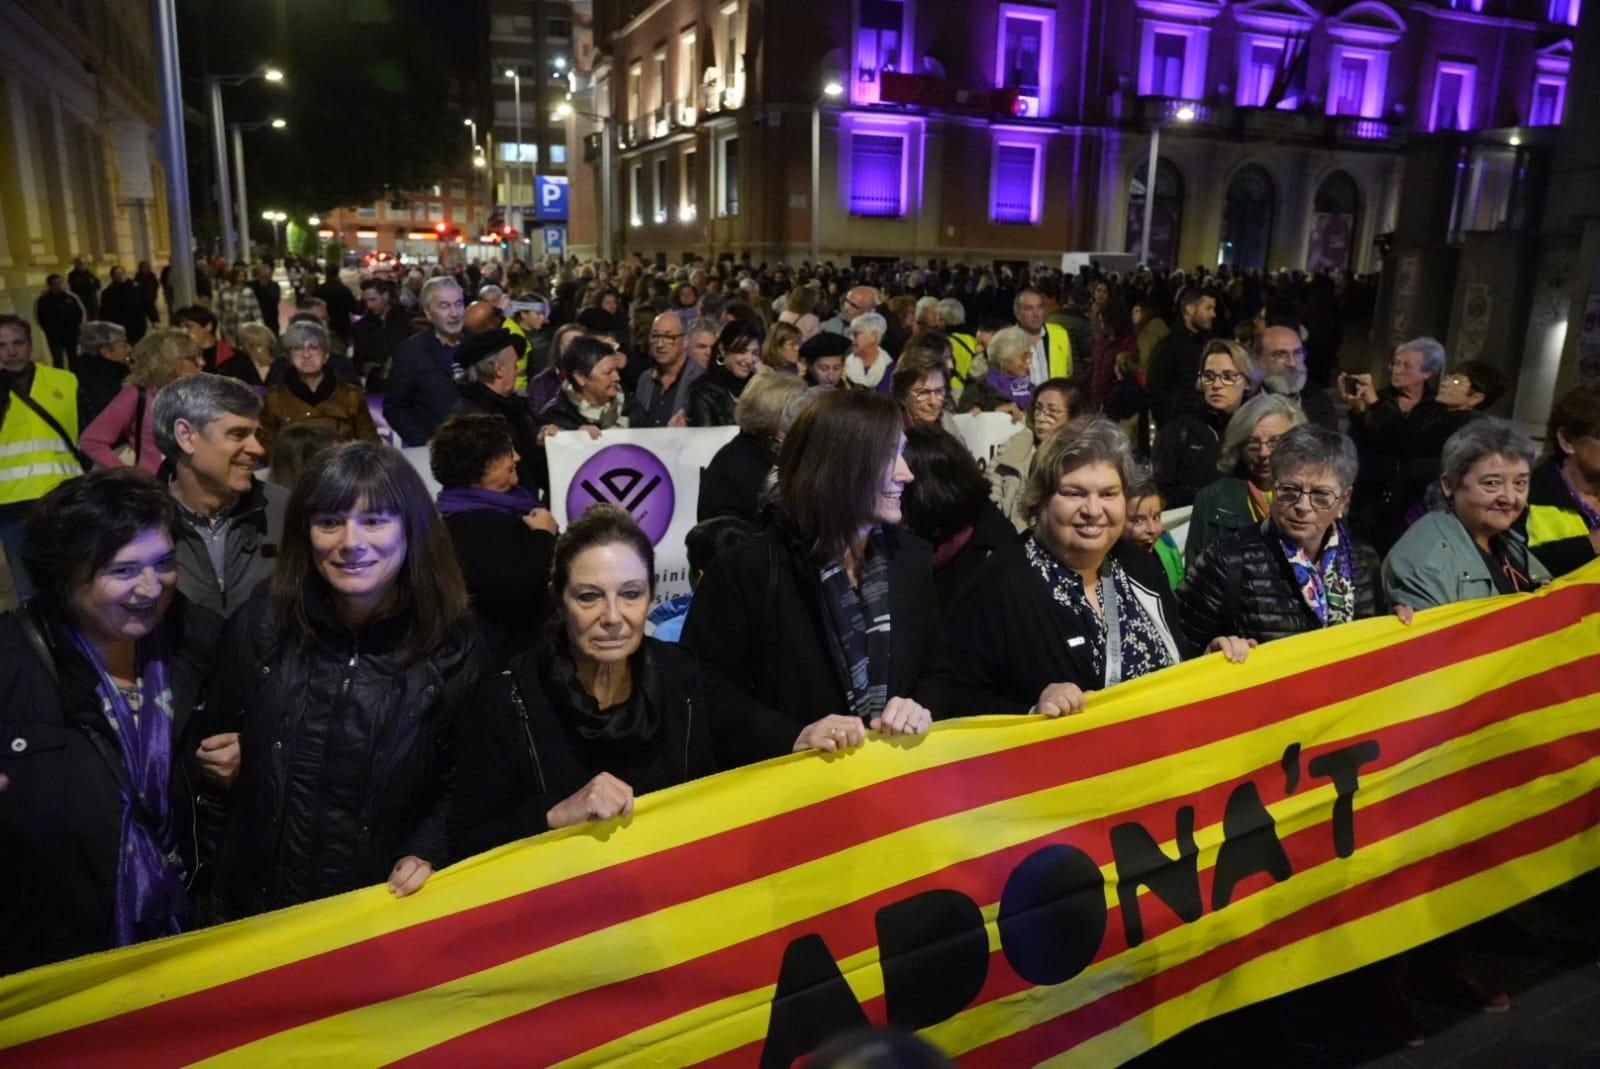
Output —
(1166, 109)
(1366, 131)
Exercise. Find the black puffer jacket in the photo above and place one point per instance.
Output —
(714, 396)
(346, 761)
(61, 815)
(1244, 586)
(1185, 456)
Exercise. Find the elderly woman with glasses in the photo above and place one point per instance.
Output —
(922, 383)
(1187, 448)
(1242, 497)
(1300, 569)
(311, 394)
(1471, 545)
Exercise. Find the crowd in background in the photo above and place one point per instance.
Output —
(259, 663)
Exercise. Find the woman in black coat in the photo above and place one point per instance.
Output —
(947, 505)
(344, 677)
(1038, 619)
(594, 715)
(831, 619)
(714, 396)
(1187, 447)
(734, 482)
(502, 538)
(96, 800)
(1300, 569)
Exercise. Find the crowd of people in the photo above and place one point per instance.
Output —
(258, 663)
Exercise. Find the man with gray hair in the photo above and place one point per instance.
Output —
(858, 300)
(423, 377)
(229, 522)
(101, 365)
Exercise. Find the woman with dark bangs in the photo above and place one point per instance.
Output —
(344, 677)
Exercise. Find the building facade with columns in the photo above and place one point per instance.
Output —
(80, 172)
(996, 130)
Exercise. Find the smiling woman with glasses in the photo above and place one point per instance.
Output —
(1299, 569)
(1240, 498)
(1186, 450)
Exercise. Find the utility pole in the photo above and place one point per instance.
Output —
(174, 155)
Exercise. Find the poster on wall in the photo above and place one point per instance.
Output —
(1331, 236)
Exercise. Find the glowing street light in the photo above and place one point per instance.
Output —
(1184, 114)
(562, 111)
(833, 89)
(279, 124)
(272, 74)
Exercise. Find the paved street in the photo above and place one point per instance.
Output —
(1543, 952)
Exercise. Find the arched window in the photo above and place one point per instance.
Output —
(1168, 216)
(1247, 218)
(1334, 213)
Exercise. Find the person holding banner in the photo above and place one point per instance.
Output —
(830, 618)
(594, 715)
(344, 677)
(1073, 607)
(1298, 570)
(99, 674)
(714, 395)
(1241, 498)
(591, 396)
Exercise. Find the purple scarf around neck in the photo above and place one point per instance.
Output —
(151, 899)
(454, 500)
(1018, 389)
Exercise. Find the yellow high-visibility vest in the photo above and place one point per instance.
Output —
(33, 458)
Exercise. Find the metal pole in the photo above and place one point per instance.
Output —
(1150, 195)
(607, 191)
(238, 181)
(816, 183)
(220, 150)
(516, 87)
(174, 155)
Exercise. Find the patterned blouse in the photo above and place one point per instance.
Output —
(1144, 650)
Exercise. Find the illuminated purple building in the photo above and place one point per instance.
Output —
(1020, 130)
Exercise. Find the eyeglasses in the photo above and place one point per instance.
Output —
(1227, 378)
(1257, 447)
(1320, 498)
(664, 337)
(928, 393)
(1049, 412)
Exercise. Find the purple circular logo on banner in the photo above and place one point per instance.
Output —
(629, 476)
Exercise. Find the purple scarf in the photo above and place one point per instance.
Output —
(1017, 389)
(151, 900)
(454, 500)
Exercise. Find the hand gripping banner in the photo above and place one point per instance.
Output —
(1022, 891)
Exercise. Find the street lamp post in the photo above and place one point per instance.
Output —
(214, 84)
(1183, 114)
(831, 91)
(516, 88)
(174, 153)
(277, 220)
(238, 130)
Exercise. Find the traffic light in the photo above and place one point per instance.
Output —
(439, 228)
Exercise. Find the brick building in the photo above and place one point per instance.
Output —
(987, 129)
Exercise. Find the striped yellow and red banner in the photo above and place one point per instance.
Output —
(1022, 891)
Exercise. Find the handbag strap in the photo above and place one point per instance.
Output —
(55, 425)
(138, 425)
(35, 636)
(527, 727)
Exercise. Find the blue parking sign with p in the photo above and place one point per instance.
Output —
(555, 241)
(551, 196)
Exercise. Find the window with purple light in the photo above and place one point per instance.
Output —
(1453, 85)
(1549, 101)
(1014, 196)
(880, 44)
(1350, 85)
(1166, 73)
(877, 174)
(1023, 59)
(1259, 72)
(1565, 12)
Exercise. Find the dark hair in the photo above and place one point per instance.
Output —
(1117, 318)
(463, 446)
(582, 356)
(18, 322)
(1577, 412)
(198, 314)
(79, 526)
(431, 591)
(1066, 388)
(294, 447)
(1191, 296)
(949, 488)
(710, 539)
(600, 525)
(383, 286)
(1486, 379)
(737, 335)
(830, 469)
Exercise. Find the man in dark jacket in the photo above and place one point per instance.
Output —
(60, 315)
(663, 391)
(1281, 348)
(340, 301)
(85, 286)
(423, 377)
(491, 387)
(1175, 361)
(379, 334)
(269, 295)
(101, 366)
(125, 304)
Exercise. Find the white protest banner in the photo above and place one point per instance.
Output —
(986, 433)
(654, 474)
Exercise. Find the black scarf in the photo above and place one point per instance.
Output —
(324, 390)
(634, 724)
